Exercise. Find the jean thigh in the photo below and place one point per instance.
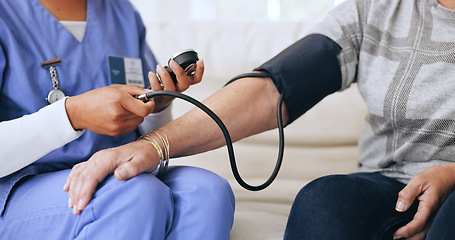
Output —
(354, 206)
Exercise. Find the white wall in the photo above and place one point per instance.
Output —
(233, 10)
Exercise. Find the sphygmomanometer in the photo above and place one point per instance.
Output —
(313, 57)
(187, 60)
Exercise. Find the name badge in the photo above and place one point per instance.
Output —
(126, 71)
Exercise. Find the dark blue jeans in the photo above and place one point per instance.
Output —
(358, 206)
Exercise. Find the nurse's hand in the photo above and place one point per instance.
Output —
(183, 82)
(110, 110)
(125, 162)
(431, 187)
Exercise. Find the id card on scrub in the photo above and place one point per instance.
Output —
(126, 71)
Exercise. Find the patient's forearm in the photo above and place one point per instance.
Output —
(247, 107)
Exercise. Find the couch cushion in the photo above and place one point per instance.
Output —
(256, 161)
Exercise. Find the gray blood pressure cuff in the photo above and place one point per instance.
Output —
(305, 73)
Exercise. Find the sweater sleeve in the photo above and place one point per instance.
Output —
(345, 25)
(323, 62)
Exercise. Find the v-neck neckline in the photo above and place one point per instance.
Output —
(88, 20)
(91, 43)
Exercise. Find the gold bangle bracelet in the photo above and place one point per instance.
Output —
(162, 153)
(164, 139)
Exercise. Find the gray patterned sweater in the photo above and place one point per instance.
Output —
(402, 55)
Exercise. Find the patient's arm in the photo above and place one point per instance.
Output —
(305, 72)
(247, 107)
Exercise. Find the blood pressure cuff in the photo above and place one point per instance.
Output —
(305, 73)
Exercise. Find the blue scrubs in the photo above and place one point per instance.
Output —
(186, 203)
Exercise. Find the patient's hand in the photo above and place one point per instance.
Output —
(431, 187)
(183, 82)
(110, 110)
(125, 162)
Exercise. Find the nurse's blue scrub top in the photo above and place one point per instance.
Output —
(29, 35)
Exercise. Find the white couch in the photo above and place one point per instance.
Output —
(323, 141)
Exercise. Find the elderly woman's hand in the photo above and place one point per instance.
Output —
(125, 162)
(431, 188)
(183, 82)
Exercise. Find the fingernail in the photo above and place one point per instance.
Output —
(121, 173)
(150, 74)
(158, 67)
(396, 238)
(69, 202)
(74, 210)
(79, 205)
(400, 206)
(64, 186)
(173, 64)
(201, 63)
